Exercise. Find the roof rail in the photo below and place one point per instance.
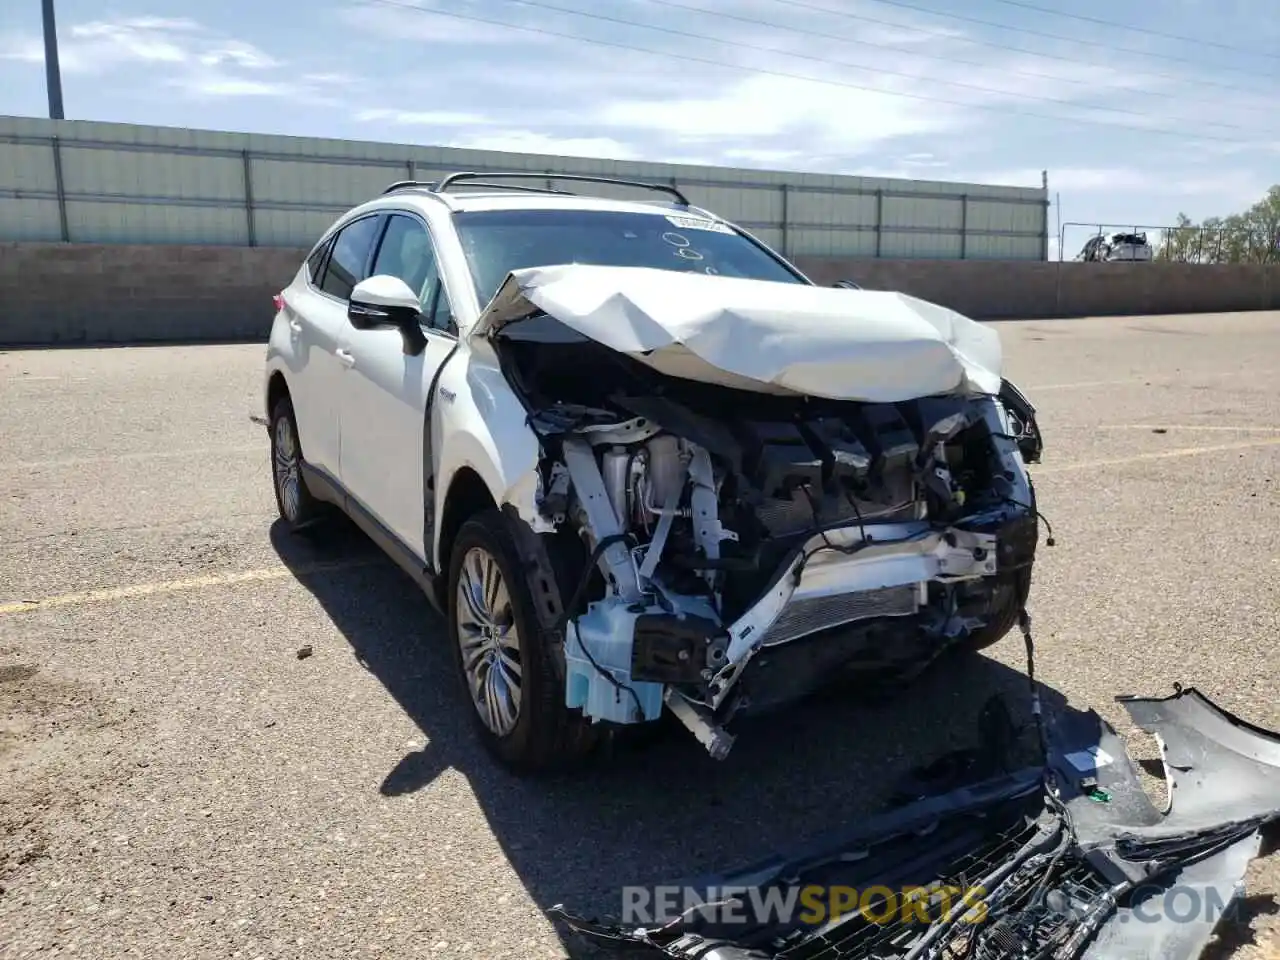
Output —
(406, 184)
(453, 178)
(513, 186)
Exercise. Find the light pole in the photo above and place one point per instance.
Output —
(52, 74)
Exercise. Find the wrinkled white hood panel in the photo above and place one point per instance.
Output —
(866, 345)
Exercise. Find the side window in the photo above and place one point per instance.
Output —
(315, 262)
(350, 254)
(406, 253)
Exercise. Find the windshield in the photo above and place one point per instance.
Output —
(497, 242)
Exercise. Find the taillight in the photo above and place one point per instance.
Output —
(278, 300)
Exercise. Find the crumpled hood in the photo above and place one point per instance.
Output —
(867, 345)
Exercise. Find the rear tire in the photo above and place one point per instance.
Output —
(503, 658)
(298, 508)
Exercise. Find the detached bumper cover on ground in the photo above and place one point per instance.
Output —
(1006, 868)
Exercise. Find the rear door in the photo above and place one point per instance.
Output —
(321, 320)
(385, 391)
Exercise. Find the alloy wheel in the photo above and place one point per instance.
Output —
(285, 461)
(489, 641)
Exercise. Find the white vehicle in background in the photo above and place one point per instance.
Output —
(1117, 247)
(639, 461)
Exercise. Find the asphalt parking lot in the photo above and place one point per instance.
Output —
(175, 782)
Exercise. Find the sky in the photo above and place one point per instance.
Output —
(1133, 123)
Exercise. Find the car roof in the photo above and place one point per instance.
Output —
(498, 199)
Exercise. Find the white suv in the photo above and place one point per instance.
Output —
(639, 461)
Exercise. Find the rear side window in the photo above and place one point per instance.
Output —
(315, 262)
(350, 255)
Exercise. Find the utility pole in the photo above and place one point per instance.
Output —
(52, 73)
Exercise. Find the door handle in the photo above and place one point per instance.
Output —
(346, 359)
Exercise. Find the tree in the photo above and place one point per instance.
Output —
(1249, 237)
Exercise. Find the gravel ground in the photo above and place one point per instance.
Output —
(175, 782)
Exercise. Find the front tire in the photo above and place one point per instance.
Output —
(503, 657)
(1010, 596)
(298, 508)
(1008, 599)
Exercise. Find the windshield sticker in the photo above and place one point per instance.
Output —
(696, 223)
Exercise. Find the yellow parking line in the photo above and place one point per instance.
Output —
(1188, 426)
(1189, 376)
(203, 453)
(136, 590)
(1077, 386)
(1157, 455)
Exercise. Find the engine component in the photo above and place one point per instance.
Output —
(601, 521)
(614, 469)
(888, 437)
(666, 472)
(846, 457)
(597, 656)
(668, 648)
(778, 459)
(710, 734)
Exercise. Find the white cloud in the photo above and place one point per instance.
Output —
(764, 107)
(923, 160)
(240, 54)
(528, 141)
(1079, 179)
(760, 155)
(179, 53)
(214, 86)
(422, 118)
(22, 49)
(335, 79)
(102, 46)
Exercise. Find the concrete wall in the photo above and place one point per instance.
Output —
(90, 182)
(1019, 290)
(59, 293)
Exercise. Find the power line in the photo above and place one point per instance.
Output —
(975, 41)
(757, 48)
(1128, 26)
(1217, 101)
(1058, 36)
(690, 58)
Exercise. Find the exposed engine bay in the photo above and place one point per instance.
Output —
(723, 533)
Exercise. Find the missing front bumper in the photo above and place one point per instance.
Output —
(1120, 878)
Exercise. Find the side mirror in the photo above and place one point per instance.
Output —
(846, 285)
(387, 301)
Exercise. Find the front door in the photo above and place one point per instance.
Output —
(385, 391)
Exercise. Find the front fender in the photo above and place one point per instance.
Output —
(481, 424)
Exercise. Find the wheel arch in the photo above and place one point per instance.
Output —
(467, 495)
(277, 387)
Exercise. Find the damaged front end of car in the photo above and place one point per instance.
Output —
(730, 517)
(1066, 860)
